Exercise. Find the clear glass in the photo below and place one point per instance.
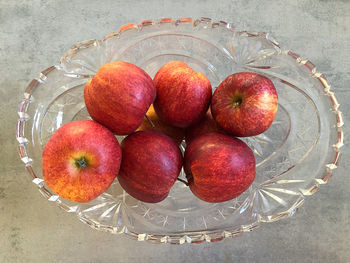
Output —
(294, 156)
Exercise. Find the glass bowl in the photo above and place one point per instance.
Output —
(294, 156)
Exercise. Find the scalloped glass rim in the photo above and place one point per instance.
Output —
(192, 236)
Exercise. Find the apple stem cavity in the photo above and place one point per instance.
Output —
(182, 181)
(81, 162)
(237, 101)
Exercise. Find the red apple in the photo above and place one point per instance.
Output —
(151, 163)
(119, 95)
(245, 104)
(206, 125)
(218, 167)
(183, 95)
(153, 123)
(81, 160)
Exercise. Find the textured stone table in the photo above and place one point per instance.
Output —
(33, 35)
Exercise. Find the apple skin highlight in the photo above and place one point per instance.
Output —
(81, 160)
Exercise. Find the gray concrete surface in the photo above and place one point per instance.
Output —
(34, 34)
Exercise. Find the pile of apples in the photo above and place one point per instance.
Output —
(83, 158)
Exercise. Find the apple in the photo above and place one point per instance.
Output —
(150, 165)
(153, 123)
(119, 95)
(81, 160)
(218, 167)
(206, 125)
(183, 95)
(245, 104)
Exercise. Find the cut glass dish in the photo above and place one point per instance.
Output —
(294, 156)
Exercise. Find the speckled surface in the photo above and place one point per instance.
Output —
(34, 34)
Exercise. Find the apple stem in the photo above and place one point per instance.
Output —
(182, 148)
(152, 124)
(182, 181)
